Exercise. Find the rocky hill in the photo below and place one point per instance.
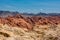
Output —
(23, 27)
(30, 21)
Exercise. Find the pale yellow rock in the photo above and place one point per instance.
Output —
(40, 32)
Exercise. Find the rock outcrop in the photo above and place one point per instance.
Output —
(28, 22)
(20, 27)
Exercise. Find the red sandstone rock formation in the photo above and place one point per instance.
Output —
(29, 22)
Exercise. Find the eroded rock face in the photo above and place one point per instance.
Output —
(49, 20)
(19, 27)
(29, 22)
(39, 32)
(17, 20)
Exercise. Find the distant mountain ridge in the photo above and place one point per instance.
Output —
(7, 13)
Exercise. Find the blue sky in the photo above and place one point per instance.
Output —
(29, 6)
